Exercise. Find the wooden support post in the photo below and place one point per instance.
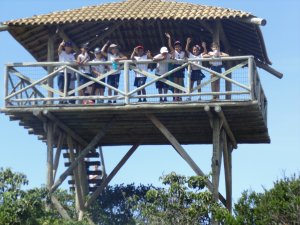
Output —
(209, 114)
(6, 75)
(82, 154)
(227, 171)
(251, 77)
(176, 145)
(106, 181)
(60, 141)
(64, 214)
(50, 58)
(50, 139)
(216, 162)
(65, 128)
(104, 175)
(126, 82)
(78, 189)
(226, 126)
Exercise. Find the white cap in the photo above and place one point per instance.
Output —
(113, 46)
(164, 50)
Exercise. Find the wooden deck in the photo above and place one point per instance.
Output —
(188, 122)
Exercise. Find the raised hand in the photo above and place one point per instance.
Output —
(188, 40)
(168, 35)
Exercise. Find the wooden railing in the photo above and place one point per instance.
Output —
(29, 84)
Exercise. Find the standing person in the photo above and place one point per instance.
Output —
(177, 54)
(216, 66)
(196, 74)
(82, 59)
(98, 71)
(138, 54)
(65, 54)
(114, 55)
(162, 68)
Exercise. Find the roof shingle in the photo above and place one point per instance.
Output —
(132, 10)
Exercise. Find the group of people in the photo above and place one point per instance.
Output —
(110, 52)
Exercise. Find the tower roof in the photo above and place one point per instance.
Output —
(133, 22)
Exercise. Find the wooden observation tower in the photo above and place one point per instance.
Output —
(78, 131)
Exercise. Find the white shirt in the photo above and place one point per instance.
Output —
(162, 67)
(179, 55)
(65, 57)
(143, 67)
(192, 56)
(99, 68)
(84, 58)
(215, 54)
(111, 57)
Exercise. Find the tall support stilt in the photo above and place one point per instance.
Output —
(50, 139)
(227, 169)
(78, 190)
(183, 153)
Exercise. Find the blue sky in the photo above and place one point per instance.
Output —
(254, 166)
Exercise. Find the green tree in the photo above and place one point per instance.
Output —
(112, 208)
(184, 201)
(279, 205)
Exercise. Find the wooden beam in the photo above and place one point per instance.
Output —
(50, 142)
(103, 36)
(209, 114)
(216, 33)
(82, 154)
(3, 27)
(64, 214)
(106, 181)
(65, 128)
(65, 37)
(269, 69)
(50, 58)
(104, 175)
(176, 145)
(227, 171)
(60, 142)
(226, 126)
(78, 184)
(215, 164)
(255, 21)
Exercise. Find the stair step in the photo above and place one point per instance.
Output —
(89, 155)
(90, 181)
(87, 163)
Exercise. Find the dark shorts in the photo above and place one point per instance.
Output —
(179, 73)
(217, 69)
(197, 75)
(97, 85)
(139, 81)
(83, 80)
(61, 81)
(159, 84)
(113, 80)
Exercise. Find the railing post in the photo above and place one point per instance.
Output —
(6, 74)
(126, 81)
(65, 82)
(251, 77)
(189, 79)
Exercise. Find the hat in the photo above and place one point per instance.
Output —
(177, 43)
(97, 50)
(164, 50)
(85, 45)
(68, 44)
(113, 46)
(140, 47)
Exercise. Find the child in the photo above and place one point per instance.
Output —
(196, 74)
(177, 54)
(162, 68)
(82, 59)
(140, 79)
(98, 70)
(65, 54)
(216, 66)
(113, 54)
